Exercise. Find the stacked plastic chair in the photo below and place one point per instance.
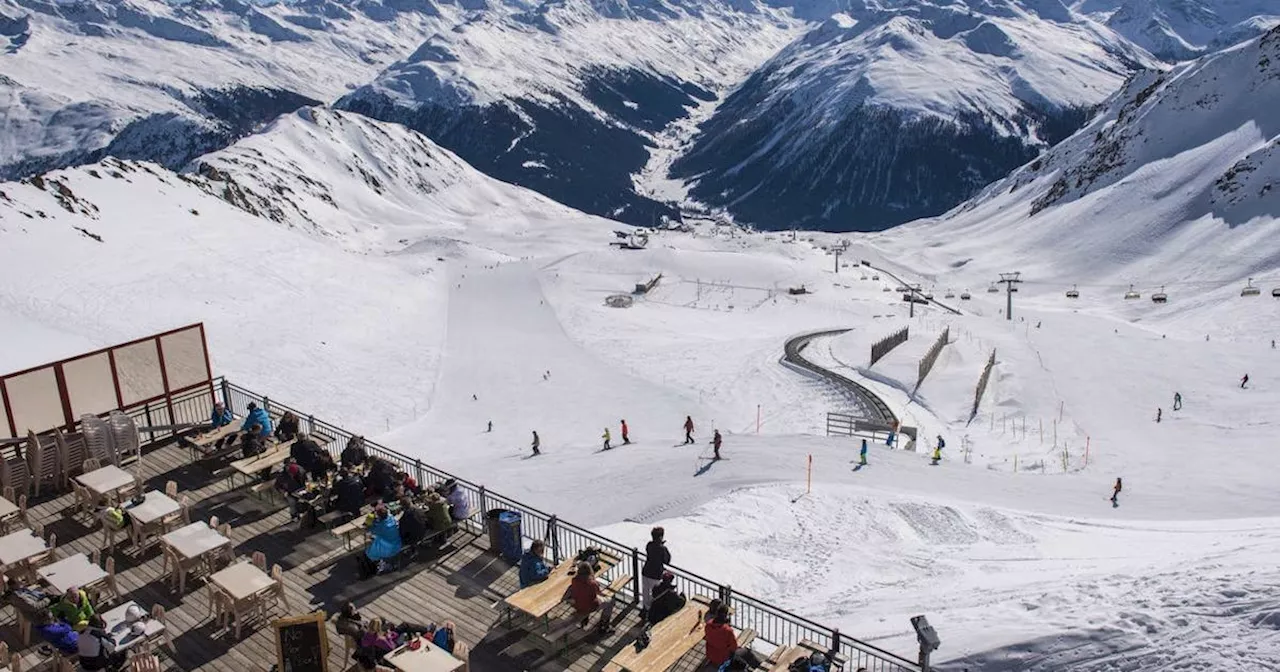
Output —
(42, 461)
(124, 435)
(97, 439)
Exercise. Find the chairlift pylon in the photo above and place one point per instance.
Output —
(1132, 293)
(1250, 290)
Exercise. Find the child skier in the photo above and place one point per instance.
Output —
(606, 438)
(715, 443)
(536, 442)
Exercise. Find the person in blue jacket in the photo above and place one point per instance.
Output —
(533, 569)
(386, 542)
(444, 636)
(257, 416)
(57, 633)
(221, 416)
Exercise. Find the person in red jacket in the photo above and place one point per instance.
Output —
(721, 642)
(626, 438)
(585, 593)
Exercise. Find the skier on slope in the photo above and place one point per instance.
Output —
(536, 443)
(626, 438)
(937, 451)
(688, 430)
(862, 455)
(1177, 401)
(1159, 414)
(1115, 492)
(606, 438)
(490, 426)
(715, 443)
(1244, 381)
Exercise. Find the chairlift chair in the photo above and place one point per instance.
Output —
(964, 296)
(886, 288)
(1160, 296)
(928, 296)
(1073, 293)
(876, 276)
(1250, 290)
(1275, 293)
(1132, 294)
(993, 289)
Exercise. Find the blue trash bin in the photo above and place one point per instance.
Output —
(509, 536)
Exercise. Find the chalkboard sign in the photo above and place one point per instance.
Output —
(302, 644)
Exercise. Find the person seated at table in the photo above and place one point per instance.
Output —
(116, 516)
(438, 517)
(290, 480)
(252, 443)
(311, 457)
(93, 648)
(58, 633)
(354, 454)
(258, 417)
(377, 639)
(381, 481)
(459, 507)
(533, 569)
(741, 660)
(287, 430)
(443, 637)
(349, 622)
(221, 415)
(413, 523)
(722, 643)
(385, 543)
(348, 493)
(408, 483)
(667, 600)
(75, 608)
(585, 593)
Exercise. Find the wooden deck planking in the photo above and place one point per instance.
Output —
(463, 583)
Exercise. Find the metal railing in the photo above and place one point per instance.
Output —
(773, 625)
(875, 408)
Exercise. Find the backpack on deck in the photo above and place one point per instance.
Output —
(815, 662)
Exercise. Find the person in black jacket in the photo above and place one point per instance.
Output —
(348, 493)
(666, 599)
(413, 523)
(354, 454)
(251, 442)
(656, 558)
(287, 429)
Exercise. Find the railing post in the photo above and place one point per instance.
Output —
(417, 469)
(226, 394)
(484, 511)
(311, 424)
(146, 409)
(266, 406)
(835, 640)
(554, 539)
(635, 575)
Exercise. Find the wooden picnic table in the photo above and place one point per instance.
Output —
(669, 641)
(541, 598)
(106, 481)
(121, 636)
(19, 547)
(427, 658)
(781, 660)
(75, 571)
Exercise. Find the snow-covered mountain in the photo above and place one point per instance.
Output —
(167, 82)
(1176, 184)
(1178, 30)
(903, 109)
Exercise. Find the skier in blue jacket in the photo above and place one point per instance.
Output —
(533, 569)
(221, 416)
(257, 416)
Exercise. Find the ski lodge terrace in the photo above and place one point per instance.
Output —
(139, 404)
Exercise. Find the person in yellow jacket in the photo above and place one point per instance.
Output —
(606, 438)
(74, 608)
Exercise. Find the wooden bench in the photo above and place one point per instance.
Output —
(784, 656)
(560, 629)
(669, 640)
(539, 599)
